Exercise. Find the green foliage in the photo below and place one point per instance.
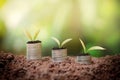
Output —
(60, 45)
(95, 53)
(2, 29)
(91, 48)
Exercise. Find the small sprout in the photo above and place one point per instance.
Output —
(28, 35)
(91, 48)
(36, 34)
(32, 38)
(57, 41)
(60, 45)
(83, 45)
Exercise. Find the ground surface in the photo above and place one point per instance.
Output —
(16, 67)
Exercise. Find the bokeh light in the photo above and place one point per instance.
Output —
(97, 22)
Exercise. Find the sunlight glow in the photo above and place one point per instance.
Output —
(88, 11)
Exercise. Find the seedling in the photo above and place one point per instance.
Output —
(33, 46)
(60, 45)
(91, 48)
(59, 54)
(85, 58)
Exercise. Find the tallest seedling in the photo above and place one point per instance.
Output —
(33, 46)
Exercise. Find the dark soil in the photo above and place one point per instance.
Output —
(16, 67)
(84, 54)
(32, 42)
(56, 48)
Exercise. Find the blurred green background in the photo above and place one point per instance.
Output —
(97, 22)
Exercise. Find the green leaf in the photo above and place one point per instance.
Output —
(96, 48)
(36, 34)
(83, 45)
(28, 34)
(65, 41)
(57, 41)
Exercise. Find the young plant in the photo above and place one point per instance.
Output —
(91, 48)
(30, 37)
(60, 45)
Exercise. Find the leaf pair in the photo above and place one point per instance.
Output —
(91, 48)
(30, 36)
(60, 45)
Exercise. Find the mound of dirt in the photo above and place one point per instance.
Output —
(16, 67)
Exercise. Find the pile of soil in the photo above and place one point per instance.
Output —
(16, 67)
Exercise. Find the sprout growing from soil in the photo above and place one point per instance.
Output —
(91, 48)
(60, 45)
(30, 37)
